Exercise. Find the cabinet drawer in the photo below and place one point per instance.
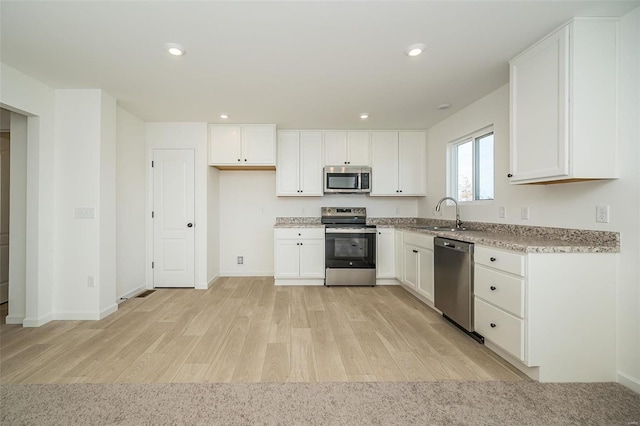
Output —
(308, 233)
(501, 328)
(499, 259)
(500, 289)
(420, 240)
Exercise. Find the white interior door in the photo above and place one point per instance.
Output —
(173, 218)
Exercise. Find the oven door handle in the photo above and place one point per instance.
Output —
(350, 231)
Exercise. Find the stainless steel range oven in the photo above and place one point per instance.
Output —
(350, 247)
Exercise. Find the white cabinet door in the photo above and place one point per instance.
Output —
(412, 163)
(425, 267)
(225, 144)
(287, 258)
(312, 258)
(385, 253)
(335, 148)
(410, 256)
(258, 145)
(358, 148)
(539, 110)
(399, 254)
(288, 170)
(311, 183)
(384, 163)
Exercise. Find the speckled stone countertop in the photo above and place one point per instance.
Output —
(526, 239)
(298, 222)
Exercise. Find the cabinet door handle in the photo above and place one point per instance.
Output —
(493, 288)
(493, 259)
(379, 233)
(493, 325)
(245, 159)
(509, 175)
(238, 159)
(299, 235)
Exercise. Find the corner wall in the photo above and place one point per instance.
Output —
(131, 205)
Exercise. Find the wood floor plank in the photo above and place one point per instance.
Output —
(302, 366)
(276, 363)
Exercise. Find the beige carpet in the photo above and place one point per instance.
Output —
(420, 403)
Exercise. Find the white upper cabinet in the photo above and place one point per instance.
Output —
(299, 171)
(242, 146)
(346, 148)
(398, 163)
(563, 105)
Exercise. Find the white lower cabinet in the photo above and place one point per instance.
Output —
(385, 253)
(417, 256)
(552, 315)
(299, 256)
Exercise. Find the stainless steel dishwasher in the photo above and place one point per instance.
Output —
(453, 282)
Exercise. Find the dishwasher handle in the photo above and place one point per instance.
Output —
(453, 244)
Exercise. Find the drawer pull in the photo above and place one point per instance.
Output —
(493, 259)
(493, 325)
(493, 288)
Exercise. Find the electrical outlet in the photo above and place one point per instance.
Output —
(602, 214)
(397, 211)
(524, 213)
(85, 213)
(240, 260)
(502, 212)
(91, 281)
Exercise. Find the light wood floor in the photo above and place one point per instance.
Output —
(248, 330)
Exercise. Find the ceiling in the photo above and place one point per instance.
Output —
(299, 64)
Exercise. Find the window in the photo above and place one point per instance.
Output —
(471, 167)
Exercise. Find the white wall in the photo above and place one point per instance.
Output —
(563, 205)
(29, 97)
(181, 136)
(85, 177)
(131, 205)
(248, 211)
(107, 212)
(213, 216)
(18, 220)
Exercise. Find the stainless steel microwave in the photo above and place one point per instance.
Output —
(347, 179)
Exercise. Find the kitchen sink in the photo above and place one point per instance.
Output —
(439, 228)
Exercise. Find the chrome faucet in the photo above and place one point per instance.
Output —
(458, 221)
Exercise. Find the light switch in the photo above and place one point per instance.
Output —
(85, 213)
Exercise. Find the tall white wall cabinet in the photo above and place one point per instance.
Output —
(563, 105)
(398, 161)
(299, 171)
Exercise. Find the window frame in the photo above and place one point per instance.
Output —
(452, 165)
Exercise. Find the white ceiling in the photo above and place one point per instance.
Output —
(299, 64)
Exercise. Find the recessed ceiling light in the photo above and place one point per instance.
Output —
(444, 106)
(364, 115)
(175, 49)
(224, 116)
(415, 49)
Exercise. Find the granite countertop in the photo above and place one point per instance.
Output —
(522, 243)
(525, 239)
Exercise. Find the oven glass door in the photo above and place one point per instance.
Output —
(352, 250)
(342, 181)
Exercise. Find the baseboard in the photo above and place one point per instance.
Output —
(298, 282)
(37, 322)
(14, 320)
(131, 294)
(108, 311)
(387, 281)
(212, 280)
(246, 274)
(629, 382)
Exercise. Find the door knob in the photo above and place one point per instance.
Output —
(189, 225)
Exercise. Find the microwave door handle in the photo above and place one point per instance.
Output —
(357, 181)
